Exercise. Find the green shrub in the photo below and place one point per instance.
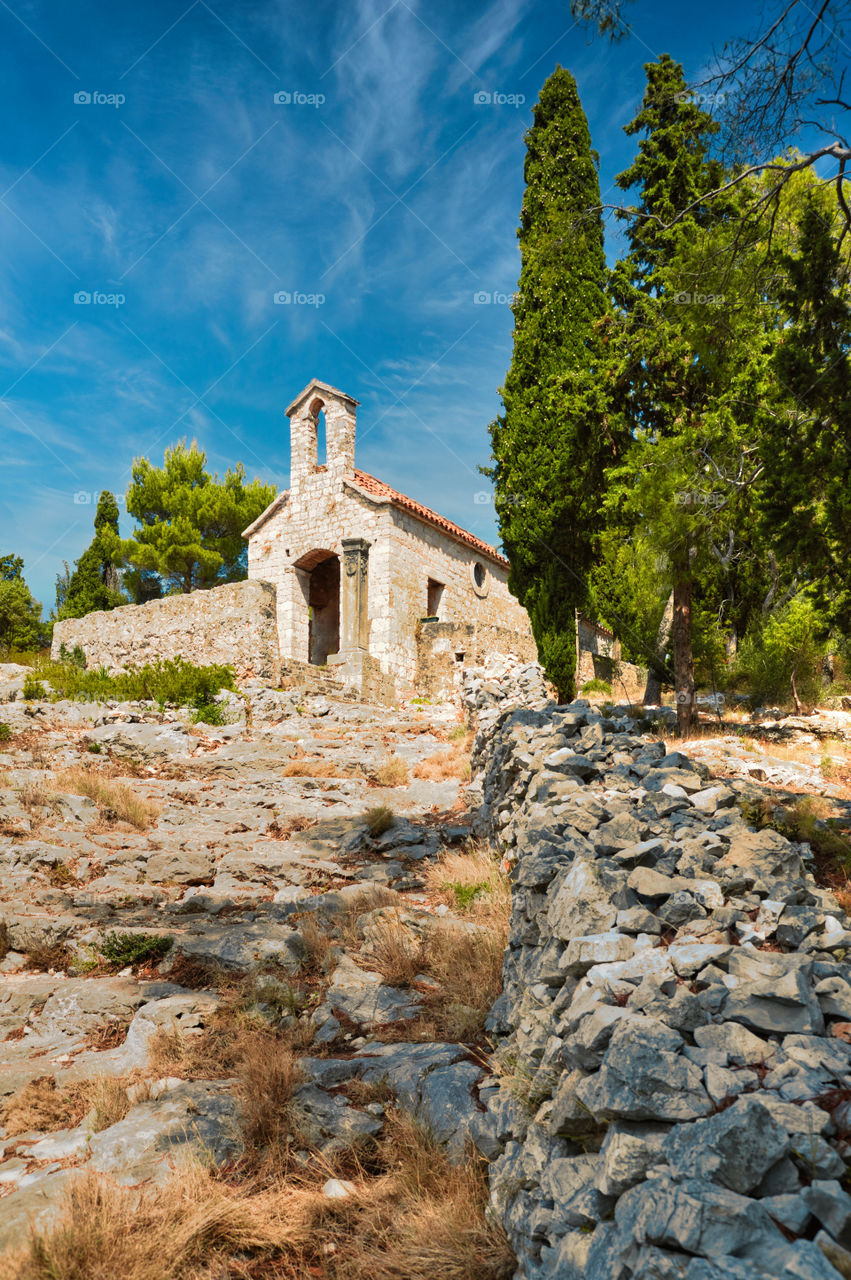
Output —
(167, 680)
(124, 949)
(33, 689)
(209, 713)
(596, 686)
(789, 647)
(5, 731)
(466, 893)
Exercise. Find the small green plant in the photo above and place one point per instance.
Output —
(5, 731)
(379, 820)
(209, 713)
(95, 748)
(172, 680)
(596, 686)
(33, 690)
(465, 894)
(123, 949)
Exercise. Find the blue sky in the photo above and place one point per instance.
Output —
(146, 163)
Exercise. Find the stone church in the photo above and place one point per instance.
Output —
(389, 596)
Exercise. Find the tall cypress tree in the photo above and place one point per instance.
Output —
(553, 441)
(806, 450)
(95, 582)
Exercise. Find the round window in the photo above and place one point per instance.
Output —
(479, 576)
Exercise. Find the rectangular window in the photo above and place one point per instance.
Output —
(435, 598)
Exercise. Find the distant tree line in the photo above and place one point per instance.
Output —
(188, 536)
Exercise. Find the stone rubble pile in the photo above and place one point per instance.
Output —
(503, 681)
(674, 1081)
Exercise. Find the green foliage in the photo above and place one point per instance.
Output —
(554, 439)
(21, 626)
(807, 453)
(5, 731)
(33, 690)
(95, 582)
(596, 686)
(122, 949)
(206, 712)
(465, 894)
(190, 523)
(790, 644)
(167, 680)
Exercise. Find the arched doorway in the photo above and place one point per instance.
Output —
(321, 569)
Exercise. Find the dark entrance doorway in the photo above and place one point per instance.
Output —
(324, 610)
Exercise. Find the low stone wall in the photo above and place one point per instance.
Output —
(627, 680)
(671, 1099)
(234, 624)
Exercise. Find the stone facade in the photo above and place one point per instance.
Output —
(234, 624)
(358, 566)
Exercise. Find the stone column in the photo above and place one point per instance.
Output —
(354, 619)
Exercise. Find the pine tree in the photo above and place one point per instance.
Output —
(190, 523)
(95, 582)
(553, 441)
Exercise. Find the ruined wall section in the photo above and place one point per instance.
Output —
(234, 624)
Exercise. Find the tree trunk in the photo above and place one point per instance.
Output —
(653, 688)
(683, 658)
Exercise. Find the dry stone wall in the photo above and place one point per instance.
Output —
(234, 624)
(672, 1097)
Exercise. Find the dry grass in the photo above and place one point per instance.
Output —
(392, 772)
(411, 1216)
(35, 795)
(47, 956)
(453, 763)
(379, 819)
(279, 830)
(315, 767)
(42, 1106)
(115, 800)
(471, 882)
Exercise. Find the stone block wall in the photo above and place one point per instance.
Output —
(673, 1057)
(447, 650)
(234, 624)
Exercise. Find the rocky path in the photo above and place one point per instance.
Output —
(212, 860)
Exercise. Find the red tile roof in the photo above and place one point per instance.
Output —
(378, 489)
